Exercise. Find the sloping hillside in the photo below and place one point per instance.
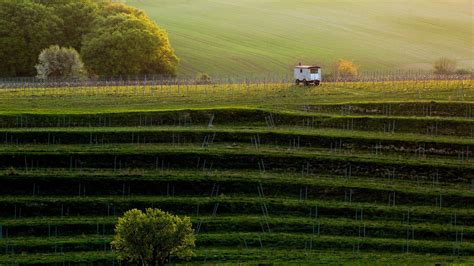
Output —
(227, 37)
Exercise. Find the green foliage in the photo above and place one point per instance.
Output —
(126, 44)
(111, 9)
(120, 40)
(149, 238)
(25, 29)
(77, 19)
(60, 62)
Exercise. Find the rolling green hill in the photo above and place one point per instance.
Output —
(374, 173)
(247, 37)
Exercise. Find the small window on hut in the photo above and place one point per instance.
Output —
(301, 70)
(314, 71)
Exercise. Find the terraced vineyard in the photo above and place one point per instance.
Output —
(292, 178)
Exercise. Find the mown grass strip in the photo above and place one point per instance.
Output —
(405, 108)
(229, 157)
(424, 186)
(273, 256)
(114, 205)
(273, 240)
(189, 183)
(67, 226)
(222, 150)
(277, 132)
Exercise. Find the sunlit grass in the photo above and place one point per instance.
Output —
(249, 37)
(275, 94)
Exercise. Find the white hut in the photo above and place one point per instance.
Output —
(307, 75)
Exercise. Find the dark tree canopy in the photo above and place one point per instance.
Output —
(26, 28)
(77, 19)
(126, 44)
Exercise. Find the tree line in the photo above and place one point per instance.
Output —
(73, 37)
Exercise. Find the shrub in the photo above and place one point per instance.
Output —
(346, 69)
(12, 172)
(444, 66)
(149, 238)
(463, 72)
(60, 62)
(204, 79)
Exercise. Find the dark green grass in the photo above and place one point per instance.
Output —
(247, 117)
(226, 156)
(31, 206)
(50, 227)
(303, 186)
(239, 240)
(201, 180)
(250, 256)
(225, 133)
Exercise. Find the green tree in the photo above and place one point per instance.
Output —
(60, 62)
(25, 29)
(126, 44)
(149, 238)
(77, 19)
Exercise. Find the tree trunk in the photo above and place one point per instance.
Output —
(154, 258)
(158, 260)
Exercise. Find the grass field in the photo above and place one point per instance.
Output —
(279, 95)
(345, 173)
(245, 37)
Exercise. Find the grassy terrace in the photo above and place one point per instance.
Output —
(107, 205)
(225, 157)
(272, 240)
(247, 255)
(270, 173)
(162, 134)
(102, 177)
(66, 227)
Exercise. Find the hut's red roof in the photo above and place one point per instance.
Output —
(308, 67)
